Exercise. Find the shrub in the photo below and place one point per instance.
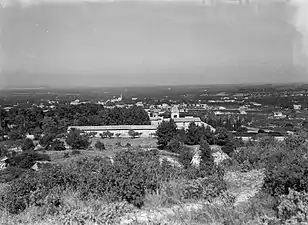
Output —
(293, 208)
(228, 148)
(106, 134)
(128, 145)
(204, 188)
(26, 160)
(57, 145)
(46, 140)
(10, 173)
(33, 188)
(27, 145)
(174, 145)
(118, 144)
(293, 142)
(76, 152)
(286, 171)
(66, 155)
(134, 134)
(3, 151)
(100, 146)
(267, 141)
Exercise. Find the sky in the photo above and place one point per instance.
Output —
(73, 42)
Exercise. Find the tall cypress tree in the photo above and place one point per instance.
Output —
(207, 159)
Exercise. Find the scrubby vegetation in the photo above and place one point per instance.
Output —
(110, 182)
(260, 182)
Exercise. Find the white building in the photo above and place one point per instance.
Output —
(145, 130)
(181, 122)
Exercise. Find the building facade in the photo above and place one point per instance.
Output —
(122, 130)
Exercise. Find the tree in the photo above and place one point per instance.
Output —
(46, 140)
(228, 148)
(182, 135)
(118, 135)
(185, 156)
(305, 124)
(133, 134)
(207, 159)
(49, 125)
(193, 134)
(27, 145)
(1, 134)
(37, 132)
(222, 136)
(77, 140)
(174, 145)
(106, 134)
(165, 132)
(261, 131)
(242, 129)
(57, 145)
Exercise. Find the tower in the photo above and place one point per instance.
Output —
(175, 112)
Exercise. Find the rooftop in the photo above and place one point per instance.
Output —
(187, 119)
(115, 127)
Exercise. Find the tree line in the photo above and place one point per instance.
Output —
(171, 138)
(18, 122)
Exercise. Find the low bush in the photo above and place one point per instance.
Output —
(10, 173)
(204, 188)
(293, 208)
(118, 144)
(293, 142)
(291, 173)
(66, 155)
(27, 145)
(76, 152)
(57, 145)
(100, 146)
(228, 148)
(33, 188)
(128, 145)
(26, 160)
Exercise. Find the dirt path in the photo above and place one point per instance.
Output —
(244, 185)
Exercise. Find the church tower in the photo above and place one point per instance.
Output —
(175, 112)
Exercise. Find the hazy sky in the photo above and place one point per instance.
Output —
(128, 43)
